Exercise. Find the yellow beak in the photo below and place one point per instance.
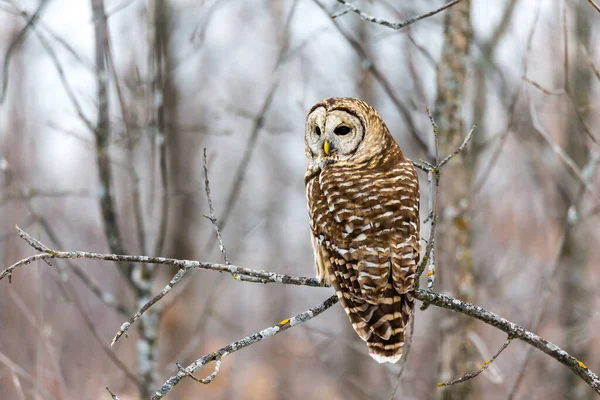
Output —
(326, 147)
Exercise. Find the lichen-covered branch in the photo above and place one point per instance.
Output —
(235, 271)
(437, 299)
(242, 343)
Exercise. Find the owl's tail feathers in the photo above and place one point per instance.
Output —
(398, 313)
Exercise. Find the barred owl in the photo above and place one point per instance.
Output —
(363, 206)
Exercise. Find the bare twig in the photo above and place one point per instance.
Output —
(483, 367)
(212, 217)
(240, 344)
(175, 280)
(460, 148)
(393, 25)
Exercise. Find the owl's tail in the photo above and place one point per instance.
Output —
(383, 325)
(398, 313)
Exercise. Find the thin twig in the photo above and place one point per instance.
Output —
(460, 148)
(212, 217)
(483, 367)
(114, 396)
(175, 280)
(394, 25)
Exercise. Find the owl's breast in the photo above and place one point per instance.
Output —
(379, 204)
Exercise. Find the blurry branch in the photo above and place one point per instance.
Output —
(381, 79)
(16, 43)
(104, 296)
(30, 194)
(20, 372)
(483, 367)
(568, 224)
(156, 38)
(54, 58)
(40, 25)
(542, 89)
(240, 344)
(392, 25)
(564, 157)
(135, 185)
(596, 6)
(257, 125)
(242, 169)
(102, 134)
(501, 137)
(586, 54)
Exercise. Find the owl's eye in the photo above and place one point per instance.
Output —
(341, 130)
(318, 131)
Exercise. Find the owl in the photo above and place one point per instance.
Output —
(363, 206)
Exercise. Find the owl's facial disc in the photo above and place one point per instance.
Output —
(332, 136)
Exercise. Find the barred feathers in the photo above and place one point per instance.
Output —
(364, 219)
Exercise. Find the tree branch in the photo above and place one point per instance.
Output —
(240, 344)
(427, 297)
(393, 25)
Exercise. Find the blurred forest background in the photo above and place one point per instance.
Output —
(106, 107)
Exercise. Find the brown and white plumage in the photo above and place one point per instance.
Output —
(363, 205)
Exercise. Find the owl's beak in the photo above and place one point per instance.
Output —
(326, 147)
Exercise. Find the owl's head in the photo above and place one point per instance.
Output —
(344, 130)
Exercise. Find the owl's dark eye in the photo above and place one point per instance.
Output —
(318, 131)
(341, 130)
